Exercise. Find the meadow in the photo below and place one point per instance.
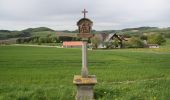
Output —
(42, 73)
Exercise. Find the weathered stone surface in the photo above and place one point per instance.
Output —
(84, 70)
(84, 25)
(78, 79)
(85, 35)
(85, 87)
(85, 92)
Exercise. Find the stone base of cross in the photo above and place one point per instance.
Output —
(85, 87)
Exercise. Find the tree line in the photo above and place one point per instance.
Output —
(47, 39)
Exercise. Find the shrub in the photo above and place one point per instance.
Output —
(135, 42)
(156, 39)
(96, 40)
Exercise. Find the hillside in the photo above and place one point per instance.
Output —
(30, 32)
(145, 30)
(44, 31)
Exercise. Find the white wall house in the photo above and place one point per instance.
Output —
(153, 46)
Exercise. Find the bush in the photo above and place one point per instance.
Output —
(96, 40)
(135, 42)
(143, 37)
(156, 39)
(113, 44)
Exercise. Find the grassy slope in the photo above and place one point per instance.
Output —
(43, 33)
(46, 73)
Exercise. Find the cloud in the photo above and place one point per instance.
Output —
(63, 14)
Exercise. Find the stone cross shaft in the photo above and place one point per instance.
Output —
(84, 71)
(84, 12)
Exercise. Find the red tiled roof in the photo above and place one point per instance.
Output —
(73, 43)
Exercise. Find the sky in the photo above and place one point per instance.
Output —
(64, 14)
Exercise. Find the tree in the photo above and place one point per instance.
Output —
(115, 43)
(143, 37)
(156, 39)
(96, 40)
(135, 42)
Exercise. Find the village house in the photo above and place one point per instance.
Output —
(152, 45)
(110, 38)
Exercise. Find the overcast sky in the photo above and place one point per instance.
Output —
(63, 14)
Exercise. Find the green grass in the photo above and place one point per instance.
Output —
(167, 44)
(38, 73)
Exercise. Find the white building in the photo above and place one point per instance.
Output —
(153, 46)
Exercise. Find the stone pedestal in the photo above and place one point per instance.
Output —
(85, 87)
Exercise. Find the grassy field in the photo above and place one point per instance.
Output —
(40, 73)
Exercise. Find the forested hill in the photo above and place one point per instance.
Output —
(44, 31)
(37, 29)
(133, 31)
(139, 31)
(5, 34)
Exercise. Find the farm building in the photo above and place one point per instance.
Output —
(72, 44)
(110, 38)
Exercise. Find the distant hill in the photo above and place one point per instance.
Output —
(139, 29)
(40, 31)
(37, 29)
(145, 30)
(5, 34)
(5, 31)
(45, 31)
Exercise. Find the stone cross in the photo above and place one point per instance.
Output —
(84, 82)
(84, 12)
(84, 71)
